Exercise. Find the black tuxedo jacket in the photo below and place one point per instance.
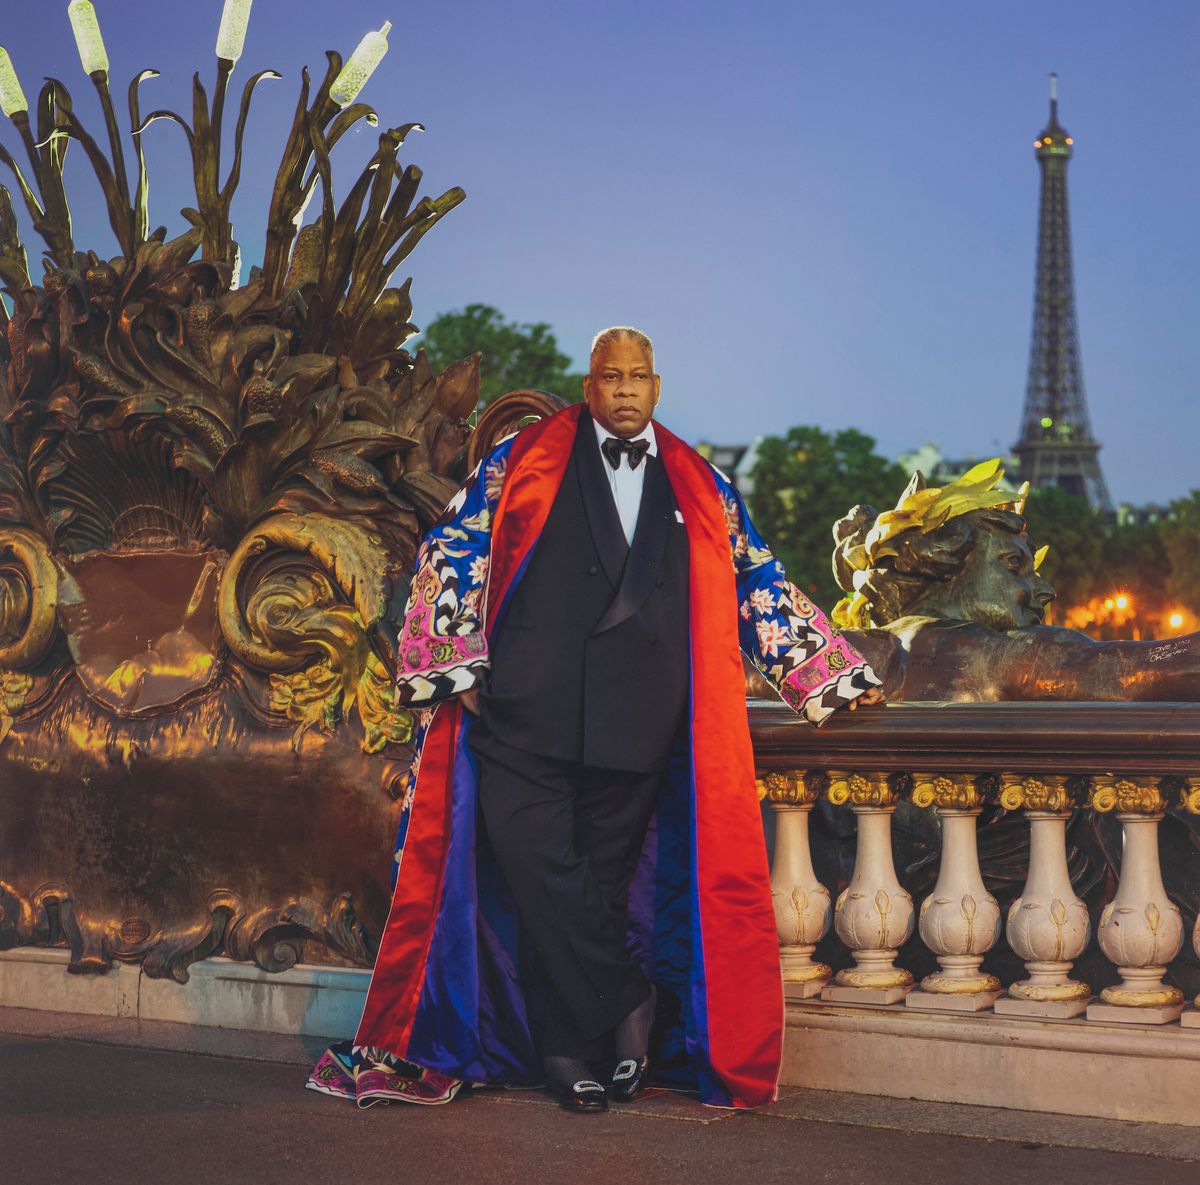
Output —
(590, 662)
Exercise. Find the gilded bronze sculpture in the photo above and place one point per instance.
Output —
(945, 598)
(210, 496)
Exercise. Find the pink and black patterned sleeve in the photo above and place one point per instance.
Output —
(785, 635)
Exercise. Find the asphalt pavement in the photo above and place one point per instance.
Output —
(100, 1100)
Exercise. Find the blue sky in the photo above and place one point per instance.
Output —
(822, 213)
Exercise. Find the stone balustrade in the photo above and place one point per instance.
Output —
(1094, 783)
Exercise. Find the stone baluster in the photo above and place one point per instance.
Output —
(1141, 929)
(873, 915)
(960, 919)
(1048, 924)
(803, 907)
(1189, 800)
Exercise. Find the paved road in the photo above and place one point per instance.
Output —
(90, 1108)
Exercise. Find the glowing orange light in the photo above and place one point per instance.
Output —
(1122, 602)
(1048, 140)
(1069, 140)
(1037, 143)
(1108, 604)
(1176, 621)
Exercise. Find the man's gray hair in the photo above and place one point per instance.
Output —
(616, 333)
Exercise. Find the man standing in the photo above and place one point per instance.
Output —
(585, 830)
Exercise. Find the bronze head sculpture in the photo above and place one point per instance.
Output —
(945, 598)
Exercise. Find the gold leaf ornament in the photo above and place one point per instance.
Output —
(311, 698)
(384, 721)
(316, 698)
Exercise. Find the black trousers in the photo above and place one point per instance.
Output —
(567, 839)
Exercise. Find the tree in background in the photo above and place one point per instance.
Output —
(806, 481)
(1075, 535)
(1181, 541)
(515, 356)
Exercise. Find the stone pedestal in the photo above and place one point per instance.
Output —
(1008, 1005)
(1142, 1014)
(947, 1002)
(835, 993)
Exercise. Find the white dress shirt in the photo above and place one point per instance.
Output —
(626, 483)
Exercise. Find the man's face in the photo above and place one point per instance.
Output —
(622, 389)
(998, 586)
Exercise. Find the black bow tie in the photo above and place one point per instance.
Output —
(612, 448)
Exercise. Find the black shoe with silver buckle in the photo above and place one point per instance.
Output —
(585, 1096)
(567, 1079)
(629, 1079)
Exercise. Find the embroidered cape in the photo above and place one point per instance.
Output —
(446, 993)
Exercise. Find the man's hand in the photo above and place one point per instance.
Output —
(873, 695)
(470, 700)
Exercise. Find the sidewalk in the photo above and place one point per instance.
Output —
(103, 1100)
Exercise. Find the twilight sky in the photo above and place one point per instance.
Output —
(822, 213)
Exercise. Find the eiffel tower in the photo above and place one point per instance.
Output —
(1057, 447)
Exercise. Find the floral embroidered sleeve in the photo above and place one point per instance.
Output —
(442, 650)
(784, 634)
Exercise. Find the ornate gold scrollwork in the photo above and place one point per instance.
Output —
(1050, 792)
(792, 788)
(948, 792)
(28, 616)
(1189, 795)
(273, 936)
(1129, 796)
(28, 599)
(315, 588)
(862, 790)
